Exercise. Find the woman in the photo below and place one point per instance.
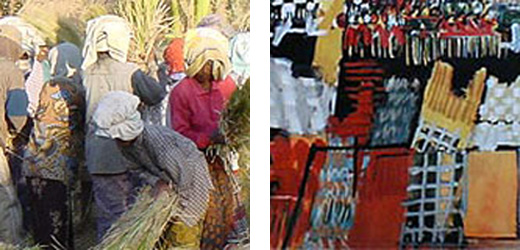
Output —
(196, 103)
(55, 149)
(11, 82)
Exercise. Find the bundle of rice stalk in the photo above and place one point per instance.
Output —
(5, 246)
(150, 21)
(234, 126)
(143, 226)
(234, 123)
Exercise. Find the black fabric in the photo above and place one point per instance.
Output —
(50, 209)
(148, 89)
(299, 48)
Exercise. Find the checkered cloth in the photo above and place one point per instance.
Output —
(176, 159)
(434, 208)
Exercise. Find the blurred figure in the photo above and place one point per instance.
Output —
(106, 69)
(239, 54)
(11, 90)
(55, 148)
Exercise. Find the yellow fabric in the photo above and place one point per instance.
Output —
(492, 194)
(328, 48)
(183, 236)
(203, 45)
(444, 109)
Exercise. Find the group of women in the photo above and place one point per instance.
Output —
(56, 182)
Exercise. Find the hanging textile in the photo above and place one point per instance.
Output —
(382, 188)
(288, 160)
(328, 50)
(492, 191)
(393, 119)
(499, 116)
(352, 75)
(333, 206)
(445, 113)
(434, 208)
(299, 105)
(357, 125)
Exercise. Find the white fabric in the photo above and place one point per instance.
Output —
(239, 54)
(117, 117)
(298, 105)
(33, 87)
(107, 33)
(499, 116)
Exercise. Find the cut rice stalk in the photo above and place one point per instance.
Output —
(144, 224)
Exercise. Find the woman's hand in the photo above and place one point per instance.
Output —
(217, 138)
(43, 54)
(160, 187)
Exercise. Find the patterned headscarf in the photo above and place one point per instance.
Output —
(203, 45)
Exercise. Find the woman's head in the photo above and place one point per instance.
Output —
(65, 60)
(206, 54)
(205, 73)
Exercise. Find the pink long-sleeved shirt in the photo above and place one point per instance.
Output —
(195, 112)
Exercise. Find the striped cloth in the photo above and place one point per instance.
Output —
(352, 75)
(175, 159)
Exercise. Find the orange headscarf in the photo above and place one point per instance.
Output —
(174, 56)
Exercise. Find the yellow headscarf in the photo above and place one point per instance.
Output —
(203, 45)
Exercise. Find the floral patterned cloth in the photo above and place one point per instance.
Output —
(58, 132)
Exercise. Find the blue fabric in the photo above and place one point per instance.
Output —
(17, 102)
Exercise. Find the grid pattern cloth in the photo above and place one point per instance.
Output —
(499, 116)
(429, 135)
(446, 110)
(434, 208)
(175, 159)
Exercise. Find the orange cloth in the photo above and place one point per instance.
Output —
(174, 55)
(492, 194)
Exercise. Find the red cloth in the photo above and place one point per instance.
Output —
(227, 87)
(351, 37)
(195, 112)
(288, 168)
(384, 36)
(174, 56)
(382, 189)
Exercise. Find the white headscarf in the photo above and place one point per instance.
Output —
(107, 33)
(117, 117)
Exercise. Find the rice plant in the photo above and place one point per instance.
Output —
(11, 7)
(190, 12)
(150, 21)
